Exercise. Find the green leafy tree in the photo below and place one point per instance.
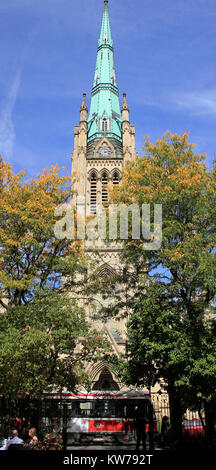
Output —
(44, 345)
(172, 326)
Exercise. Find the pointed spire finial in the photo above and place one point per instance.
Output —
(83, 109)
(125, 106)
(84, 105)
(125, 109)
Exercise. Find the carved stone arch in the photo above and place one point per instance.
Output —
(116, 171)
(106, 270)
(102, 378)
(93, 172)
(104, 173)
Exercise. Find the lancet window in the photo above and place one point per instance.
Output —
(104, 181)
(93, 193)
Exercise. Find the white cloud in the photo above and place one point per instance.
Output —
(201, 102)
(7, 132)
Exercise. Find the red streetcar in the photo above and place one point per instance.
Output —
(98, 415)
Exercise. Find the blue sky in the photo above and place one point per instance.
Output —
(165, 62)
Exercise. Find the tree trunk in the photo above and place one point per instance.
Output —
(64, 431)
(209, 408)
(175, 413)
(151, 428)
(35, 412)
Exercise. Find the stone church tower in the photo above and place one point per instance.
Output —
(103, 142)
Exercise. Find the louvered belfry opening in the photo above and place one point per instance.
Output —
(93, 194)
(104, 181)
(115, 179)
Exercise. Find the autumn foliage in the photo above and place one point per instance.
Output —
(41, 321)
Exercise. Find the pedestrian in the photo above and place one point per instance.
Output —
(14, 441)
(164, 426)
(32, 434)
(164, 429)
(140, 428)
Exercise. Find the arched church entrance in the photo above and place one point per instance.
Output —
(105, 381)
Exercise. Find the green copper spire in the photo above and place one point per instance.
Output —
(105, 27)
(105, 116)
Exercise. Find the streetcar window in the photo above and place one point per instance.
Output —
(85, 408)
(86, 405)
(95, 408)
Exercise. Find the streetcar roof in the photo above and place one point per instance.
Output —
(98, 394)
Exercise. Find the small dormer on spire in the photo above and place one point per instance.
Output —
(83, 109)
(125, 109)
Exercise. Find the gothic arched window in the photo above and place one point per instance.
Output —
(104, 181)
(93, 193)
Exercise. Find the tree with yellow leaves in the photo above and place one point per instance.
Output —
(41, 323)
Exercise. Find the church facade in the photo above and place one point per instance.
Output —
(104, 141)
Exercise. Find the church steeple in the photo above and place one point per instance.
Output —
(105, 140)
(105, 115)
(105, 27)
